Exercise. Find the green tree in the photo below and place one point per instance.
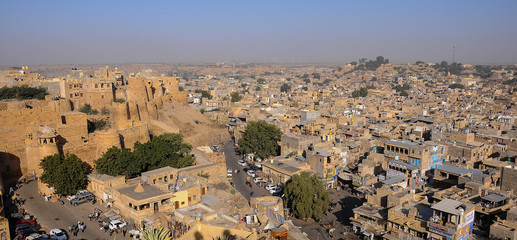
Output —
(87, 108)
(153, 233)
(404, 93)
(456, 85)
(206, 94)
(306, 196)
(261, 81)
(165, 150)
(22, 92)
(236, 97)
(114, 162)
(258, 88)
(361, 92)
(66, 174)
(260, 138)
(285, 88)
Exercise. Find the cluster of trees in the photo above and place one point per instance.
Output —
(361, 92)
(402, 89)
(453, 68)
(87, 108)
(22, 93)
(97, 124)
(261, 139)
(285, 88)
(512, 81)
(261, 81)
(456, 85)
(204, 93)
(235, 97)
(371, 64)
(65, 173)
(306, 196)
(165, 150)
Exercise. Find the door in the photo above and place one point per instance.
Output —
(156, 207)
(177, 204)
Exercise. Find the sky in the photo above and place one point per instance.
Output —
(35, 32)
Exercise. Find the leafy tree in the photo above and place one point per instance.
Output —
(354, 63)
(317, 103)
(361, 92)
(236, 97)
(453, 68)
(181, 89)
(327, 81)
(512, 81)
(206, 94)
(165, 150)
(258, 88)
(305, 88)
(66, 174)
(97, 124)
(260, 138)
(153, 233)
(316, 76)
(261, 81)
(87, 108)
(285, 88)
(22, 92)
(306, 196)
(456, 85)
(419, 62)
(114, 161)
(404, 93)
(244, 85)
(306, 80)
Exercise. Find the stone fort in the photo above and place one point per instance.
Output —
(33, 129)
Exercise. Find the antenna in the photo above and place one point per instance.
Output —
(453, 54)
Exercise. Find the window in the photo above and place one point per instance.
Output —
(194, 197)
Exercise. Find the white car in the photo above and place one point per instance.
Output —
(251, 173)
(259, 180)
(57, 233)
(117, 224)
(275, 190)
(37, 236)
(242, 163)
(270, 186)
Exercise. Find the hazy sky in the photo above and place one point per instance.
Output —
(75, 32)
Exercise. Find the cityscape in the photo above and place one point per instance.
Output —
(258, 121)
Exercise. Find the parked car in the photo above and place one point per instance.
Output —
(275, 190)
(270, 186)
(229, 173)
(242, 163)
(57, 233)
(82, 198)
(38, 236)
(259, 180)
(25, 228)
(251, 173)
(117, 224)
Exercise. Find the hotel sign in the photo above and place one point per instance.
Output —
(442, 230)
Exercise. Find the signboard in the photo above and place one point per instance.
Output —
(442, 230)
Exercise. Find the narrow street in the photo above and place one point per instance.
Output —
(239, 180)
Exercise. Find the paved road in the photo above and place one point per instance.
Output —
(54, 215)
(239, 180)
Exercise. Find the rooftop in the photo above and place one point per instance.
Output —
(452, 206)
(149, 192)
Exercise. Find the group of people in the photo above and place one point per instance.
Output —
(74, 229)
(95, 215)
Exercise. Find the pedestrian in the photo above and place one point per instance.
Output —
(111, 232)
(70, 228)
(124, 232)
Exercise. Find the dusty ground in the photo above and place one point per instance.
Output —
(195, 127)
